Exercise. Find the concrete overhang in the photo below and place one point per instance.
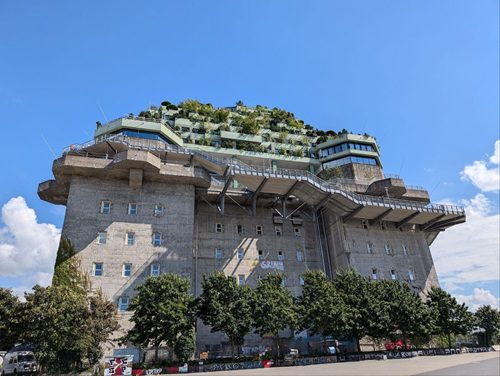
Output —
(53, 192)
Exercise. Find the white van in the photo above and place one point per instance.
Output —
(17, 362)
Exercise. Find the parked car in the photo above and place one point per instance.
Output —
(18, 362)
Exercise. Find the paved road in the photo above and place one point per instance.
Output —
(464, 364)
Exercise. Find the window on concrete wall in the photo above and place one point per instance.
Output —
(278, 230)
(411, 275)
(241, 279)
(156, 239)
(406, 250)
(300, 255)
(241, 253)
(101, 237)
(126, 270)
(281, 256)
(374, 274)
(105, 207)
(383, 225)
(239, 229)
(258, 230)
(155, 270)
(159, 210)
(97, 269)
(301, 280)
(388, 249)
(369, 247)
(394, 275)
(218, 227)
(296, 231)
(123, 303)
(364, 223)
(261, 255)
(132, 209)
(218, 253)
(129, 238)
(284, 281)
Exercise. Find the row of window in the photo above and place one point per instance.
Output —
(133, 209)
(156, 238)
(259, 230)
(345, 146)
(351, 159)
(388, 249)
(98, 269)
(383, 226)
(219, 254)
(393, 274)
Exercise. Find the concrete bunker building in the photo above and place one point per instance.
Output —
(177, 190)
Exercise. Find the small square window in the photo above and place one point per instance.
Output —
(281, 256)
(132, 209)
(259, 230)
(241, 279)
(301, 281)
(374, 274)
(105, 207)
(130, 238)
(218, 253)
(156, 239)
(241, 253)
(369, 247)
(394, 276)
(123, 303)
(101, 237)
(218, 227)
(261, 255)
(364, 223)
(406, 251)
(277, 230)
(127, 270)
(296, 231)
(388, 249)
(283, 282)
(159, 210)
(300, 256)
(411, 275)
(155, 270)
(239, 229)
(97, 269)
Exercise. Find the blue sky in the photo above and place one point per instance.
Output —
(421, 76)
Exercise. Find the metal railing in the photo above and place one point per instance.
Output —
(237, 167)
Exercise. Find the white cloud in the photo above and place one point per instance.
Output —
(27, 248)
(485, 178)
(479, 298)
(469, 252)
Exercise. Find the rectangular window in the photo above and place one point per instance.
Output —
(241, 253)
(156, 239)
(364, 223)
(411, 275)
(218, 253)
(300, 256)
(97, 269)
(281, 256)
(388, 249)
(261, 255)
(158, 211)
(241, 279)
(369, 247)
(130, 238)
(218, 227)
(405, 250)
(382, 225)
(394, 276)
(277, 230)
(105, 207)
(132, 209)
(374, 274)
(301, 281)
(239, 229)
(101, 237)
(283, 282)
(123, 303)
(296, 231)
(258, 230)
(127, 270)
(155, 270)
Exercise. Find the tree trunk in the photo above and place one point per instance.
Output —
(156, 355)
(324, 344)
(358, 345)
(449, 340)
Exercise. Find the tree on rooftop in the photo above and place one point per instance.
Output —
(163, 312)
(227, 307)
(488, 319)
(450, 317)
(274, 308)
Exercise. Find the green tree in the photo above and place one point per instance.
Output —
(164, 312)
(488, 318)
(321, 308)
(274, 308)
(227, 307)
(369, 315)
(9, 323)
(450, 317)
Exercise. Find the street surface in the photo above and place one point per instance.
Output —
(484, 364)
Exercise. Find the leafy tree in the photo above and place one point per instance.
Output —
(226, 306)
(163, 313)
(321, 308)
(221, 115)
(369, 315)
(488, 318)
(408, 314)
(274, 308)
(450, 317)
(67, 270)
(9, 325)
